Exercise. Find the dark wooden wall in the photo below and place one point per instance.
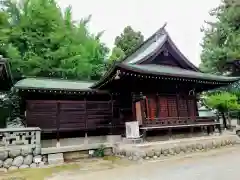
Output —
(54, 115)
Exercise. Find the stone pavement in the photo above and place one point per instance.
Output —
(220, 164)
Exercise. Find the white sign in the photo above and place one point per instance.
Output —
(132, 129)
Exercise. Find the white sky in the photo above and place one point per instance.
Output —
(184, 18)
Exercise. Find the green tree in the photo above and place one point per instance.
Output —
(221, 42)
(223, 102)
(39, 40)
(129, 40)
(117, 55)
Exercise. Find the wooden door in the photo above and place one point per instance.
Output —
(151, 107)
(182, 106)
(163, 107)
(172, 106)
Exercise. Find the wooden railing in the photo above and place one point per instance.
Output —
(175, 121)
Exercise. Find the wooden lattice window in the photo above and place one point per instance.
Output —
(151, 107)
(163, 109)
(172, 106)
(182, 107)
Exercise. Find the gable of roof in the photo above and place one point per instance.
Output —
(154, 46)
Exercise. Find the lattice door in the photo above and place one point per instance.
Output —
(163, 109)
(172, 106)
(182, 107)
(151, 107)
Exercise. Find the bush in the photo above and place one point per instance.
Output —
(9, 108)
(100, 151)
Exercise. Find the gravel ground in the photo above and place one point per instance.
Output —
(220, 164)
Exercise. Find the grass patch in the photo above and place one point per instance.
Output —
(117, 161)
(37, 173)
(111, 158)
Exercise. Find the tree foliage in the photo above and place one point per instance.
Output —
(129, 40)
(117, 55)
(40, 40)
(221, 42)
(223, 101)
(9, 107)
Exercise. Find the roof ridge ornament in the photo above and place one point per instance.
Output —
(160, 32)
(117, 75)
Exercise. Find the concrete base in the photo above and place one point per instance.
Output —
(114, 138)
(81, 141)
(170, 144)
(82, 147)
(132, 141)
(73, 141)
(76, 155)
(55, 158)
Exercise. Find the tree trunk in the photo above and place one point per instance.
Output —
(229, 120)
(224, 120)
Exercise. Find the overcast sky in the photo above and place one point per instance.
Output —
(184, 18)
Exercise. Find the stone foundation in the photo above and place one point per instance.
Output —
(20, 148)
(173, 147)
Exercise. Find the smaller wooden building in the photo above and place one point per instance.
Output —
(64, 106)
(156, 85)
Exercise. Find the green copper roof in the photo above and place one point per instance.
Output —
(176, 72)
(56, 84)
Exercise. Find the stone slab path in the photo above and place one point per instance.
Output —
(219, 164)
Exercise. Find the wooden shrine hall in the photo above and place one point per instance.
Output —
(156, 85)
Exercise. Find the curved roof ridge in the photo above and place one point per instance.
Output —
(148, 40)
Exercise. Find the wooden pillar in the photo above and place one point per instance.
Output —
(177, 105)
(143, 110)
(85, 113)
(86, 122)
(158, 107)
(170, 133)
(133, 107)
(191, 131)
(112, 116)
(168, 106)
(58, 123)
(188, 112)
(208, 130)
(144, 134)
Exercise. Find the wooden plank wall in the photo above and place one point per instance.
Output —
(68, 115)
